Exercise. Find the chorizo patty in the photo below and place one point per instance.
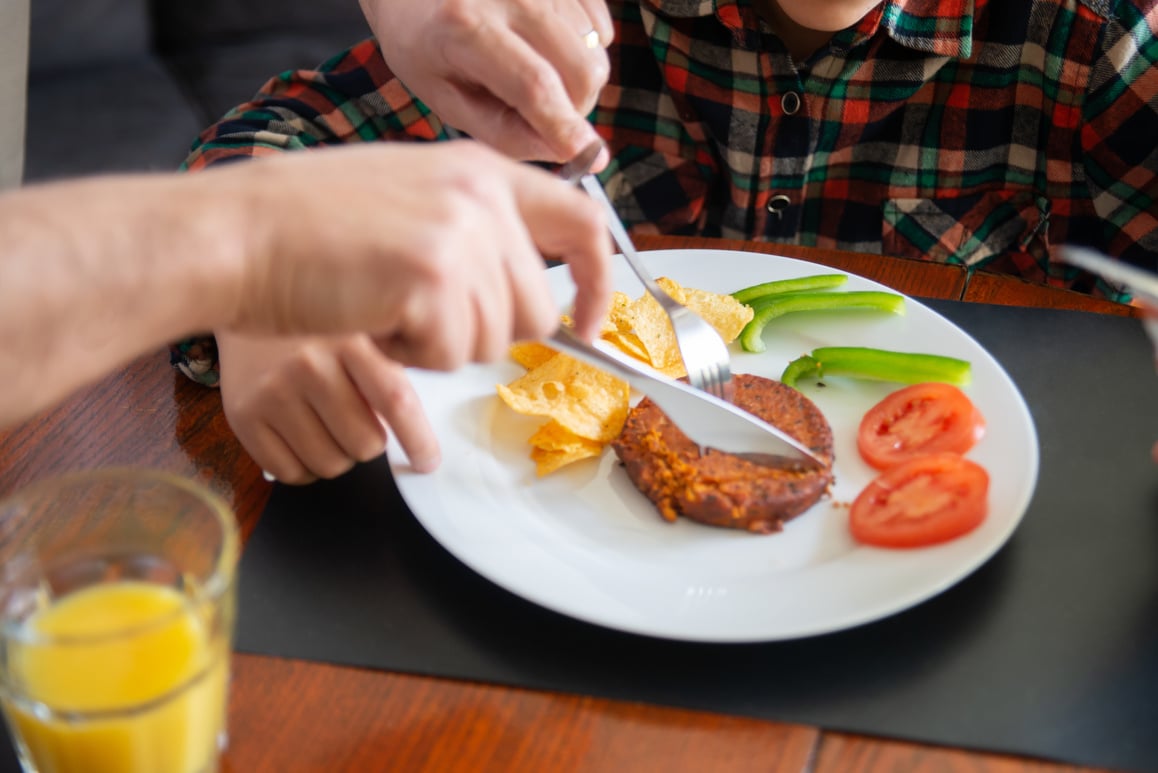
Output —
(720, 489)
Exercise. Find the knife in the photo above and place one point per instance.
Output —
(708, 421)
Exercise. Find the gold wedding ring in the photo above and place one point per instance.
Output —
(591, 38)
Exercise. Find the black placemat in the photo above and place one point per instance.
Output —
(1050, 649)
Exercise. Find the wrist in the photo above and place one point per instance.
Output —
(214, 237)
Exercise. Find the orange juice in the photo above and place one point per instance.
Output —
(123, 676)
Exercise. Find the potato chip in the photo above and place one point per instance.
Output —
(531, 354)
(587, 401)
(554, 446)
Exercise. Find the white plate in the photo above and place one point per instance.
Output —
(584, 542)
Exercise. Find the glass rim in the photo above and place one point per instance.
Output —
(220, 579)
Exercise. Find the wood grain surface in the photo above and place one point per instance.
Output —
(289, 715)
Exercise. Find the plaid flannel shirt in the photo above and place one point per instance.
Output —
(976, 132)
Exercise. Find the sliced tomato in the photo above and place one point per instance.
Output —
(917, 420)
(924, 501)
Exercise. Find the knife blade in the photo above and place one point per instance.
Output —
(708, 421)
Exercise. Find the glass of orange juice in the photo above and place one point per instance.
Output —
(117, 601)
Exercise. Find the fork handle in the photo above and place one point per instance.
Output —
(595, 190)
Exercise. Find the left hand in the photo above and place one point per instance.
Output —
(312, 407)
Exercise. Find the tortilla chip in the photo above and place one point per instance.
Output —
(546, 462)
(612, 322)
(723, 312)
(531, 354)
(587, 407)
(627, 343)
(585, 400)
(554, 446)
(648, 322)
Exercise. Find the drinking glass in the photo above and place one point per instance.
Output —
(117, 601)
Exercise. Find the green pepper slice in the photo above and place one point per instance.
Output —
(796, 285)
(878, 365)
(769, 307)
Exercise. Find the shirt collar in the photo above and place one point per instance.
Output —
(943, 27)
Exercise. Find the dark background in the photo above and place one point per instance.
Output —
(126, 85)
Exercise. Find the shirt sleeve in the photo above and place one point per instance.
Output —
(197, 358)
(353, 97)
(1120, 113)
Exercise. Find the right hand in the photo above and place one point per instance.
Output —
(434, 250)
(516, 74)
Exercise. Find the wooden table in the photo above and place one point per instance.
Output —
(291, 715)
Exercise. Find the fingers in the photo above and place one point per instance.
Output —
(574, 228)
(341, 418)
(600, 18)
(520, 75)
(273, 454)
(295, 408)
(535, 312)
(566, 42)
(348, 417)
(493, 297)
(496, 123)
(294, 446)
(391, 395)
(547, 91)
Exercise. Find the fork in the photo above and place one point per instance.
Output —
(708, 421)
(705, 355)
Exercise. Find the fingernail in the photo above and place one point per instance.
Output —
(602, 160)
(268, 476)
(582, 136)
(425, 464)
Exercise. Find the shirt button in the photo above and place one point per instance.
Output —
(790, 103)
(777, 204)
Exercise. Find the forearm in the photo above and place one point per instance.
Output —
(94, 273)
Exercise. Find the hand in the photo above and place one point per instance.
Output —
(434, 250)
(307, 408)
(519, 75)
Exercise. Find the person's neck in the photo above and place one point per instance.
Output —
(802, 42)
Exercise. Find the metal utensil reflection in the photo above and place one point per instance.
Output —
(1141, 284)
(707, 420)
(705, 354)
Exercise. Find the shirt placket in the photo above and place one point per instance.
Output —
(787, 148)
(782, 147)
